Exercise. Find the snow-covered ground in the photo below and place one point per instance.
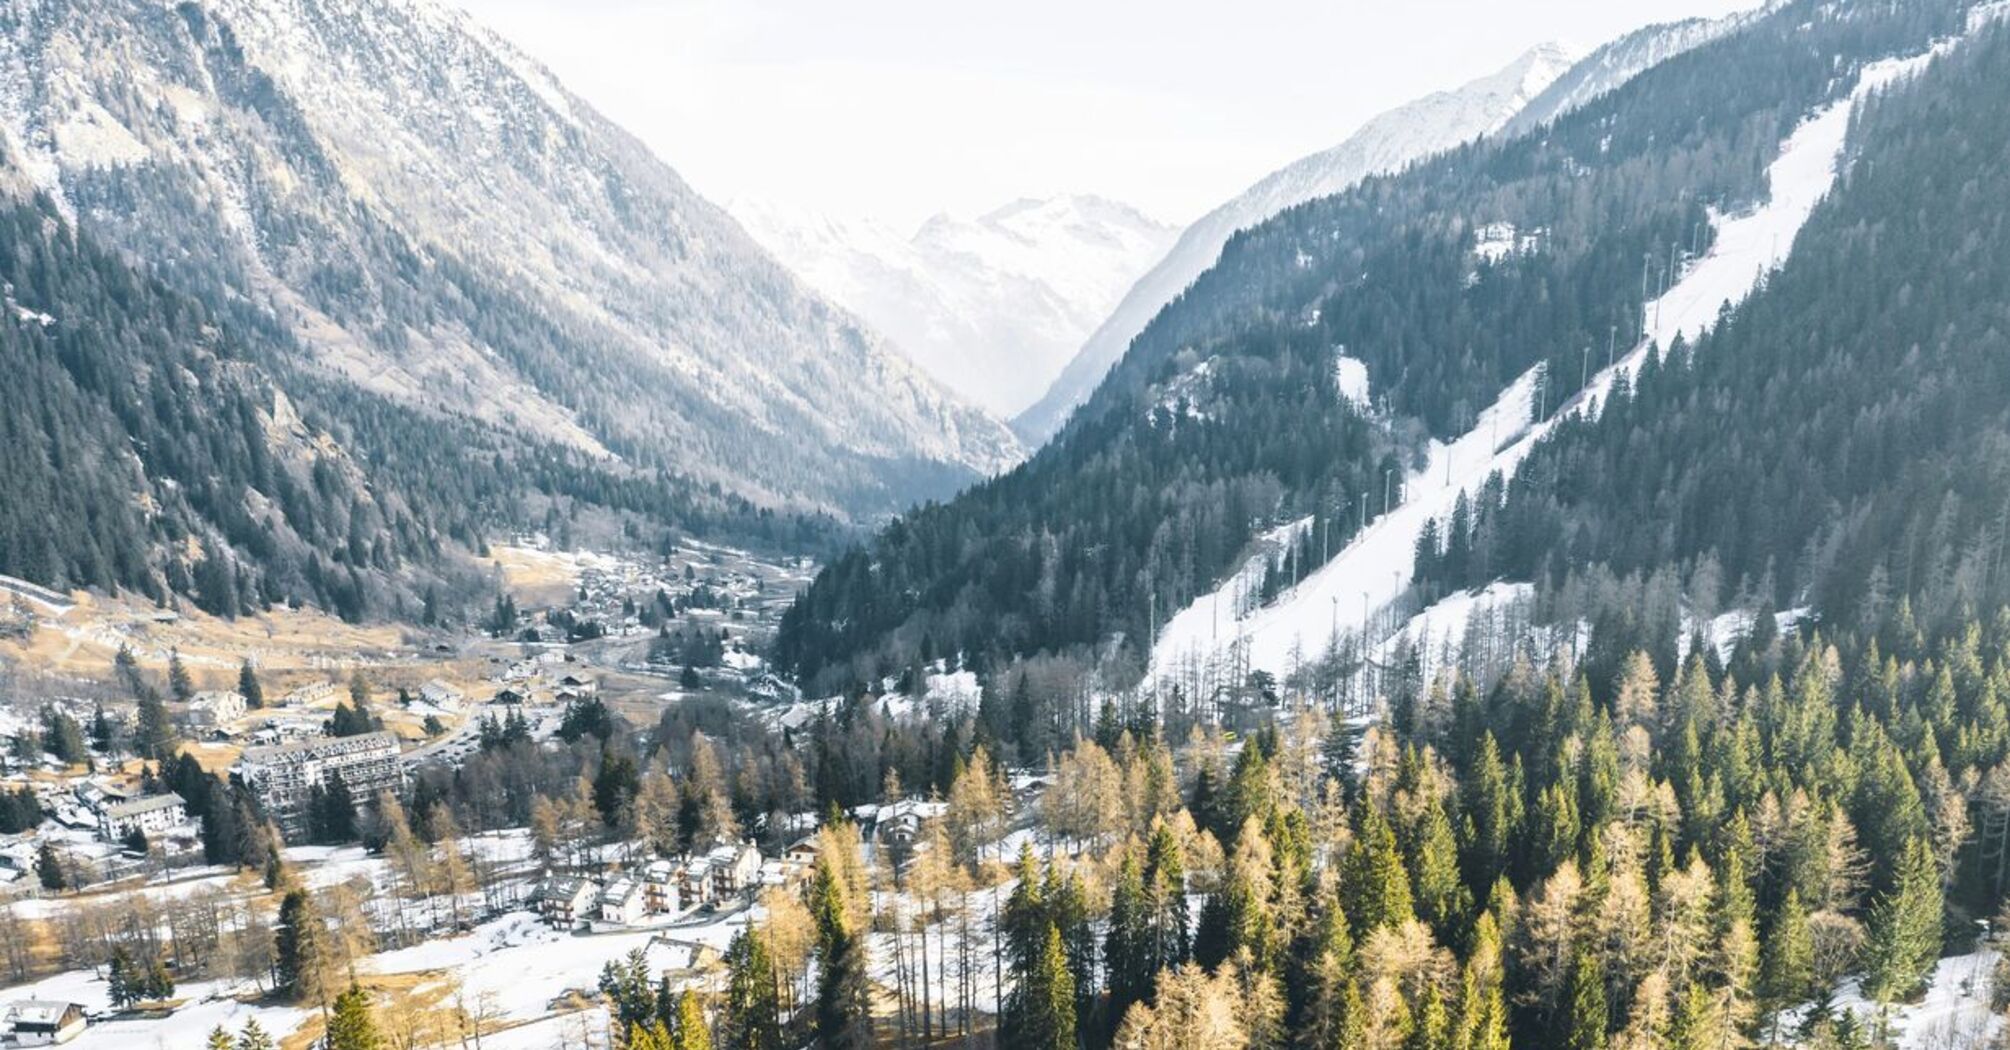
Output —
(1442, 624)
(1375, 568)
(1954, 1014)
(1369, 573)
(1726, 630)
(210, 1003)
(511, 968)
(948, 693)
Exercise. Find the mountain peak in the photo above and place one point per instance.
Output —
(990, 306)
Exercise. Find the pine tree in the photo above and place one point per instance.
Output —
(351, 1027)
(752, 1013)
(219, 1039)
(1905, 927)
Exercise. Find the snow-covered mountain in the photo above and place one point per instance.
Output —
(435, 219)
(994, 306)
(1385, 143)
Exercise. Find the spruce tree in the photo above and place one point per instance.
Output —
(1482, 1021)
(1787, 959)
(1043, 1007)
(300, 969)
(153, 732)
(253, 1036)
(752, 1014)
(249, 687)
(650, 1035)
(844, 1007)
(1127, 951)
(351, 1026)
(1165, 899)
(219, 1039)
(1905, 927)
(1586, 1024)
(119, 978)
(1325, 981)
(179, 682)
(1376, 885)
(48, 869)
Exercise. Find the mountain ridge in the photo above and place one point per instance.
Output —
(1385, 142)
(442, 223)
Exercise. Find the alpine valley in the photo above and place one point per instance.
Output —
(1534, 574)
(420, 265)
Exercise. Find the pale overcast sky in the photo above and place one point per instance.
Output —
(897, 109)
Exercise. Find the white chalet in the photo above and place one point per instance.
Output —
(564, 901)
(734, 869)
(623, 902)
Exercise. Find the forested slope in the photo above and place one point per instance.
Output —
(1842, 440)
(1224, 417)
(146, 444)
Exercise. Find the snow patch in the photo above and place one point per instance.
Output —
(1350, 374)
(1499, 240)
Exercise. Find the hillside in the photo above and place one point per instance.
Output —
(1834, 444)
(1233, 414)
(436, 222)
